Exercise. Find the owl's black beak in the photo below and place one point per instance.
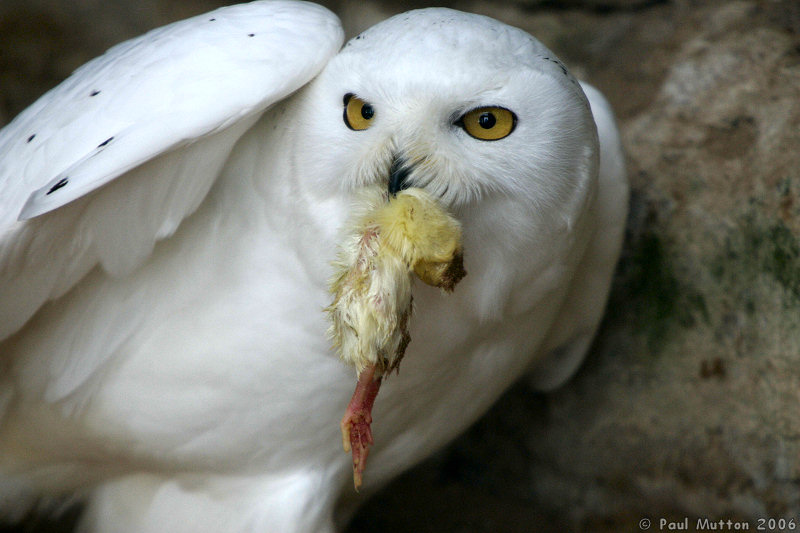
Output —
(397, 175)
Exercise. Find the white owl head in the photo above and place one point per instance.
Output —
(459, 104)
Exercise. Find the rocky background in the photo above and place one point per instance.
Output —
(688, 403)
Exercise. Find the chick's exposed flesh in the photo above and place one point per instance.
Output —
(393, 238)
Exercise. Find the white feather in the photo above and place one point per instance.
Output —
(166, 108)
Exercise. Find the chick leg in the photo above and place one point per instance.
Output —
(356, 431)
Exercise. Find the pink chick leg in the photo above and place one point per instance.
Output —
(356, 432)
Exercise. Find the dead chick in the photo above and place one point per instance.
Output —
(394, 237)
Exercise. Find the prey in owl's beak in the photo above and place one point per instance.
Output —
(388, 243)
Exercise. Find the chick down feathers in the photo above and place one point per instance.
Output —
(387, 240)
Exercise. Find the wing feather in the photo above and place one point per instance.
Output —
(110, 161)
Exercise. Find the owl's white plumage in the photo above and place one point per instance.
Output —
(162, 310)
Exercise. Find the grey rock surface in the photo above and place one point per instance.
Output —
(687, 405)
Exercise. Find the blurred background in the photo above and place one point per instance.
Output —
(689, 402)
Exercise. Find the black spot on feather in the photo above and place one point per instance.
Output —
(94, 93)
(60, 183)
(211, 20)
(104, 143)
(558, 63)
(31, 137)
(251, 34)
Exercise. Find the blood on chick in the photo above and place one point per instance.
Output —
(389, 239)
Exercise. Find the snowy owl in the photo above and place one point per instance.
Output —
(171, 218)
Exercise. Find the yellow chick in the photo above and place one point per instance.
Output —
(391, 239)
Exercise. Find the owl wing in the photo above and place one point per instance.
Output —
(578, 319)
(145, 128)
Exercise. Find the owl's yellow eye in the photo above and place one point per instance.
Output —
(488, 123)
(357, 113)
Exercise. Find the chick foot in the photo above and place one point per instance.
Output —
(355, 425)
